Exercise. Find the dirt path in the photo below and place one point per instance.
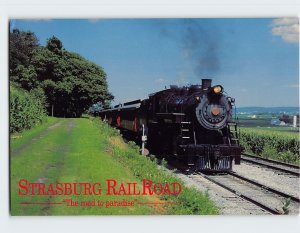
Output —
(57, 167)
(48, 148)
(19, 150)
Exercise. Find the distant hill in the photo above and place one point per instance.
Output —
(286, 110)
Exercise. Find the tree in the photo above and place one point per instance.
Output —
(26, 77)
(286, 119)
(71, 83)
(54, 45)
(21, 48)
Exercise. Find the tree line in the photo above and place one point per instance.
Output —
(67, 83)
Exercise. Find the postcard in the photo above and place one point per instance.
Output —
(172, 116)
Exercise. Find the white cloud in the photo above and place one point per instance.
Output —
(285, 21)
(287, 29)
(292, 85)
(159, 80)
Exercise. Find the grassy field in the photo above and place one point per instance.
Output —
(87, 150)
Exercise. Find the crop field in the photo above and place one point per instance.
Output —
(87, 150)
(278, 143)
(260, 137)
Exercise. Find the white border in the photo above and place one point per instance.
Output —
(128, 9)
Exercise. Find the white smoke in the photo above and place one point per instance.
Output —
(287, 29)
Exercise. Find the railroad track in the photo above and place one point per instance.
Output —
(265, 197)
(272, 164)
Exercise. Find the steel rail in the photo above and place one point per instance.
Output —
(257, 203)
(272, 161)
(271, 166)
(275, 191)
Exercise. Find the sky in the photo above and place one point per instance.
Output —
(256, 60)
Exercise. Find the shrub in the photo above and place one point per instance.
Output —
(27, 109)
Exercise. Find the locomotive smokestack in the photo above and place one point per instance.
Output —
(206, 83)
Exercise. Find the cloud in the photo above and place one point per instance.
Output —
(292, 85)
(287, 29)
(159, 80)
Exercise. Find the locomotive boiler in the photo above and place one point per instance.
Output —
(193, 124)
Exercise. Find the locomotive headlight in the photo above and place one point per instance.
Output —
(218, 89)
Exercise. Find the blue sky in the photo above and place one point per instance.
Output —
(256, 60)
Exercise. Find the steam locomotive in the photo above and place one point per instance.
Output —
(193, 124)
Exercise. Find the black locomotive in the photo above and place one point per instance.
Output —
(193, 124)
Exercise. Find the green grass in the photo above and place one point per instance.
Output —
(192, 201)
(85, 150)
(86, 160)
(19, 139)
(35, 162)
